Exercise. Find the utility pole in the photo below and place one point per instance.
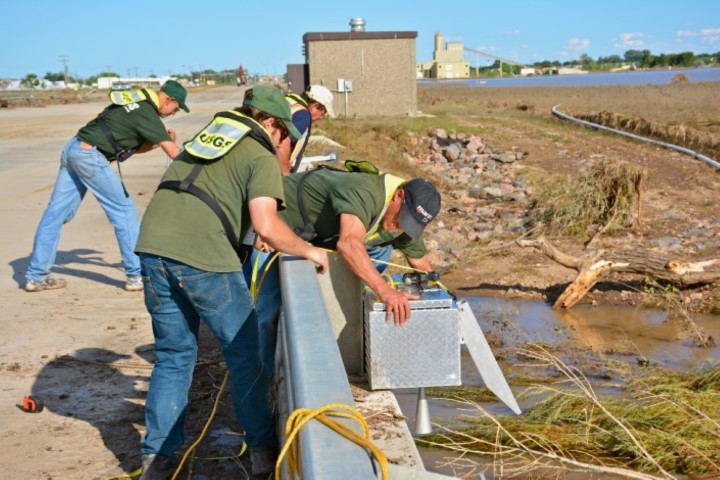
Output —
(107, 68)
(64, 61)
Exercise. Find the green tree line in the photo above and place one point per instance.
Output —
(638, 58)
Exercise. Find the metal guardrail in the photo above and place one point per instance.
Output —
(312, 375)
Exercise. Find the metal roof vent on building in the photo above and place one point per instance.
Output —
(357, 24)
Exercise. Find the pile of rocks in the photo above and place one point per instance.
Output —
(487, 199)
(489, 195)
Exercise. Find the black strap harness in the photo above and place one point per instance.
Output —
(308, 231)
(121, 153)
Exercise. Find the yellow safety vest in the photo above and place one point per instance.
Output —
(298, 103)
(391, 183)
(294, 99)
(134, 96)
(221, 135)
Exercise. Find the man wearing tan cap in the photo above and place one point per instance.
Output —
(314, 104)
(131, 124)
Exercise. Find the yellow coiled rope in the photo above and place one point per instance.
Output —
(300, 417)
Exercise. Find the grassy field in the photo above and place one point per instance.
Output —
(495, 113)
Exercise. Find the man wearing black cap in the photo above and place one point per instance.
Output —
(131, 124)
(353, 213)
(358, 210)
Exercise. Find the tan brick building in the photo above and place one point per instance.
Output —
(369, 73)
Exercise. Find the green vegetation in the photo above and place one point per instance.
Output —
(636, 58)
(663, 424)
(602, 197)
(30, 81)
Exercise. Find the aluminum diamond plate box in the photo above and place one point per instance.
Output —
(425, 352)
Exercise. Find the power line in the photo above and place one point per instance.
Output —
(64, 60)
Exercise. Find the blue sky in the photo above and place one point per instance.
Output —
(160, 36)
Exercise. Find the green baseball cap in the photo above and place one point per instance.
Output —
(271, 101)
(176, 91)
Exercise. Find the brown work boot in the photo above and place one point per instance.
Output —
(48, 283)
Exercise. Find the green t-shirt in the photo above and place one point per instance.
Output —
(328, 193)
(180, 226)
(131, 126)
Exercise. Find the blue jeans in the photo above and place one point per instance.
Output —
(269, 300)
(82, 170)
(178, 297)
(383, 253)
(267, 305)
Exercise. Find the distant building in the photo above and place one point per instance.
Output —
(104, 83)
(369, 73)
(571, 71)
(448, 61)
(43, 84)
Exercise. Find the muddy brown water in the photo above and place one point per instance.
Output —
(621, 333)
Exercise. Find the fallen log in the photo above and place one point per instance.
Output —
(598, 264)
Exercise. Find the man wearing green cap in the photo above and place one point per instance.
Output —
(225, 180)
(131, 124)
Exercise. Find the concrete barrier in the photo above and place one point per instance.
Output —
(311, 373)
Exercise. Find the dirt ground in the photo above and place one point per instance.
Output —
(679, 193)
(86, 350)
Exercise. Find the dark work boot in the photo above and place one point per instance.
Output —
(262, 459)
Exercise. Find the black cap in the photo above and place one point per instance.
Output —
(420, 206)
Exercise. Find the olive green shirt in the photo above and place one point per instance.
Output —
(182, 227)
(329, 193)
(131, 125)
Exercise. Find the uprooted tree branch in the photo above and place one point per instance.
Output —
(607, 195)
(599, 264)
